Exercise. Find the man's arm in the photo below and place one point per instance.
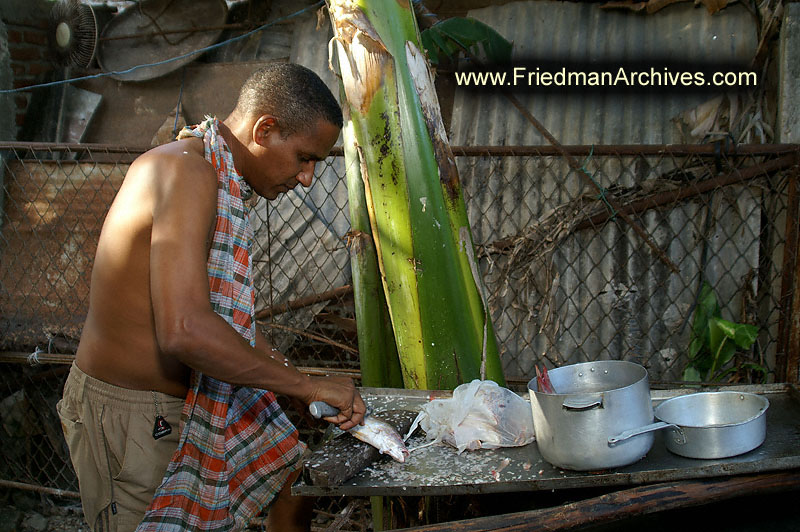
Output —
(264, 346)
(186, 327)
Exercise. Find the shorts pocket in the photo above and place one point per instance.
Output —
(137, 462)
(71, 423)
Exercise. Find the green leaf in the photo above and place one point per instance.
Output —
(703, 364)
(426, 39)
(706, 308)
(439, 42)
(690, 374)
(434, 46)
(722, 375)
(757, 368)
(725, 354)
(742, 333)
(708, 300)
(451, 35)
(716, 335)
(697, 348)
(728, 328)
(714, 340)
(746, 335)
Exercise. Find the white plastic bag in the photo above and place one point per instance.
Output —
(480, 415)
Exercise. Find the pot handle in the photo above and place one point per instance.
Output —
(613, 440)
(583, 402)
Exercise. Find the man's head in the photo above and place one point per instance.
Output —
(287, 119)
(293, 94)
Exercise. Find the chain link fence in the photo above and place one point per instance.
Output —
(604, 261)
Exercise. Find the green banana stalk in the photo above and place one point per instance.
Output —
(430, 277)
(380, 365)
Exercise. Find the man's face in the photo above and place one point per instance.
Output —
(283, 163)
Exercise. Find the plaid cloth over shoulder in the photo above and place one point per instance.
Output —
(237, 447)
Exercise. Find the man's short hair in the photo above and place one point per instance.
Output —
(293, 94)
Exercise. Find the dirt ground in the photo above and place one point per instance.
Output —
(31, 512)
(63, 520)
(24, 512)
(19, 516)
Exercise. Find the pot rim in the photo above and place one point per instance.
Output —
(645, 377)
(762, 410)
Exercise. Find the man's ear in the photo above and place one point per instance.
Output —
(263, 127)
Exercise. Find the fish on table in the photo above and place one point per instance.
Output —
(375, 431)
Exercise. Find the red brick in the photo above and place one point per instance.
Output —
(25, 53)
(23, 82)
(20, 119)
(21, 101)
(34, 69)
(18, 69)
(35, 37)
(14, 37)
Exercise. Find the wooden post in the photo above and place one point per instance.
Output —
(625, 504)
(793, 345)
(788, 355)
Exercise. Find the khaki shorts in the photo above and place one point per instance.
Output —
(109, 432)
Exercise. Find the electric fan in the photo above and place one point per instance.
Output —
(72, 33)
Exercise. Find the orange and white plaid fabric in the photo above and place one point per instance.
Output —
(237, 447)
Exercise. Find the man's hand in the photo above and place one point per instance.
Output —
(341, 393)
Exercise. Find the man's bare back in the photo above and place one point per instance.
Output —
(150, 317)
(119, 343)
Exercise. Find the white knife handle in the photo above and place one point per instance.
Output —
(320, 409)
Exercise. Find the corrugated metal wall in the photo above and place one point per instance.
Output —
(575, 33)
(51, 220)
(611, 299)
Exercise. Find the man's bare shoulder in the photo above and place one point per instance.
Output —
(183, 188)
(174, 177)
(175, 168)
(177, 163)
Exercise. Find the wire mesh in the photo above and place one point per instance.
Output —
(571, 280)
(569, 277)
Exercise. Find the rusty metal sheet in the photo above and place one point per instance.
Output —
(439, 470)
(54, 211)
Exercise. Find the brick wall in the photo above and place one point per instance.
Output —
(27, 46)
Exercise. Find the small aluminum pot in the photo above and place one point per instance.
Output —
(708, 425)
(593, 401)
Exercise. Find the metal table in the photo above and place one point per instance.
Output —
(439, 470)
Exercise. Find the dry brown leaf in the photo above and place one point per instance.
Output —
(630, 5)
(652, 6)
(712, 6)
(701, 119)
(656, 5)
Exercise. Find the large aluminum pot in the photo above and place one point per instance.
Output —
(593, 402)
(709, 424)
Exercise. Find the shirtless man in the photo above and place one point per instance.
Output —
(150, 322)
